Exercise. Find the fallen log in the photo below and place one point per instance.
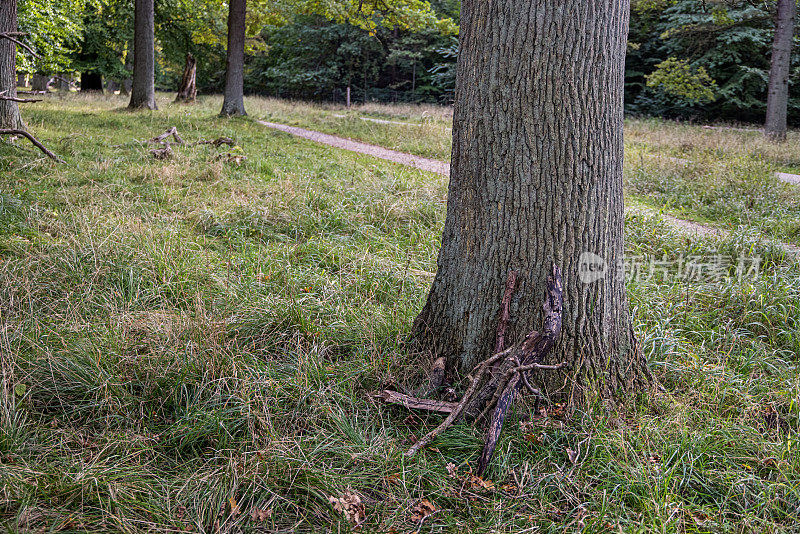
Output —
(163, 153)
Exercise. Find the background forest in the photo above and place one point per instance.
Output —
(688, 59)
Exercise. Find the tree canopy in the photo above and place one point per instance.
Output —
(685, 59)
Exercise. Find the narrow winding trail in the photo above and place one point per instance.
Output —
(443, 168)
(425, 164)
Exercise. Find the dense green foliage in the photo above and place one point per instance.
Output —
(729, 40)
(693, 59)
(312, 58)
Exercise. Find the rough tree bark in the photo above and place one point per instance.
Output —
(143, 92)
(22, 80)
(536, 177)
(233, 103)
(778, 88)
(187, 92)
(9, 110)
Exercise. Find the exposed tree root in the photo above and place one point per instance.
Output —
(495, 382)
(33, 140)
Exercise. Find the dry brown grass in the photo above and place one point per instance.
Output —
(690, 140)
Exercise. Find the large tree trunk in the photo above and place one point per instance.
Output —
(233, 104)
(143, 92)
(778, 89)
(9, 111)
(536, 177)
(91, 82)
(187, 92)
(22, 80)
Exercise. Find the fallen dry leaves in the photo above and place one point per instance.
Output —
(422, 510)
(260, 515)
(473, 482)
(350, 506)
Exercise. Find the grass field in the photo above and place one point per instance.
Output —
(189, 345)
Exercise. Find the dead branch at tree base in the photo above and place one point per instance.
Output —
(33, 140)
(428, 405)
(498, 388)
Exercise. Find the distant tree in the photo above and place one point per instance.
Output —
(780, 63)
(143, 92)
(40, 82)
(729, 39)
(53, 29)
(233, 102)
(187, 92)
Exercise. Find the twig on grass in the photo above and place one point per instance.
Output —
(33, 140)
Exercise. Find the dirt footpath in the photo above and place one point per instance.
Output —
(425, 164)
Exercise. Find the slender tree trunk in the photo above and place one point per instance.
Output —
(233, 104)
(91, 82)
(40, 82)
(63, 82)
(187, 92)
(536, 177)
(9, 111)
(778, 89)
(143, 92)
(126, 84)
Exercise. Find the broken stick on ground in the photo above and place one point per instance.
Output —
(166, 151)
(33, 140)
(495, 382)
(173, 132)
